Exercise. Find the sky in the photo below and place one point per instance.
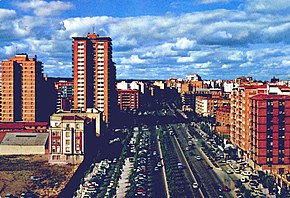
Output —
(155, 39)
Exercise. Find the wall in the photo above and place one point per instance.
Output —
(21, 150)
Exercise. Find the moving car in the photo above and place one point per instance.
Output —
(195, 185)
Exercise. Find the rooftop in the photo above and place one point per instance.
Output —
(270, 97)
(25, 139)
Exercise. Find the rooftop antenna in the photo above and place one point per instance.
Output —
(93, 28)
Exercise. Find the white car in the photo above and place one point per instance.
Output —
(197, 157)
(195, 185)
(246, 173)
(244, 179)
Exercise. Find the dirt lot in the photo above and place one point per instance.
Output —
(16, 172)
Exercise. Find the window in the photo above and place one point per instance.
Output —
(67, 142)
(78, 134)
(78, 142)
(67, 134)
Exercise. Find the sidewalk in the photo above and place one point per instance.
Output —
(123, 183)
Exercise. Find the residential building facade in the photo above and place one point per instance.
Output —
(223, 120)
(64, 95)
(22, 79)
(270, 133)
(94, 74)
(128, 99)
(73, 135)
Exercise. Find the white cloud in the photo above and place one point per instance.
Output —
(286, 63)
(236, 56)
(45, 8)
(267, 6)
(194, 56)
(203, 65)
(226, 66)
(209, 42)
(246, 64)
(213, 1)
(134, 59)
(13, 48)
(184, 43)
(5, 13)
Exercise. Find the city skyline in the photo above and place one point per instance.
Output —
(218, 39)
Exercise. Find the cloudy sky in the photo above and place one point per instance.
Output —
(156, 39)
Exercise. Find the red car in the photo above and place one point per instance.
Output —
(226, 189)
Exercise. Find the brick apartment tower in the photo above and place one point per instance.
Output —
(21, 80)
(94, 74)
(270, 133)
(240, 115)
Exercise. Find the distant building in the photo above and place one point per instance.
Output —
(94, 74)
(270, 133)
(159, 84)
(123, 85)
(228, 87)
(128, 99)
(223, 120)
(243, 80)
(64, 95)
(185, 87)
(207, 106)
(35, 127)
(73, 135)
(174, 83)
(22, 93)
(193, 77)
(188, 101)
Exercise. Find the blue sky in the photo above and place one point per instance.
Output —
(218, 39)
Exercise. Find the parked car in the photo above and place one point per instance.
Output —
(195, 185)
(226, 189)
(197, 157)
(246, 173)
(244, 179)
(229, 171)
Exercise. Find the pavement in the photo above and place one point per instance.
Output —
(163, 168)
(124, 184)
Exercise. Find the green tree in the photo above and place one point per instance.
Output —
(270, 183)
(238, 183)
(247, 193)
(284, 192)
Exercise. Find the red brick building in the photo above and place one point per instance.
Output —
(94, 74)
(64, 95)
(22, 80)
(128, 99)
(270, 133)
(223, 120)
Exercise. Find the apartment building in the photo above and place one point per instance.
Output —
(207, 105)
(94, 74)
(188, 101)
(22, 79)
(128, 99)
(223, 120)
(73, 135)
(270, 133)
(64, 95)
(240, 111)
(240, 115)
